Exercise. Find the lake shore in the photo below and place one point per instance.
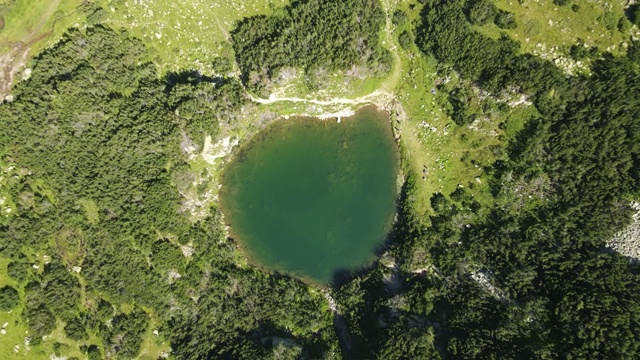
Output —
(361, 134)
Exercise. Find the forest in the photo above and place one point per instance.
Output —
(314, 36)
(94, 138)
(98, 249)
(561, 189)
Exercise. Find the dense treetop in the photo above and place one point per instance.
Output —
(94, 136)
(315, 36)
(91, 150)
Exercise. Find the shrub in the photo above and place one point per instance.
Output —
(41, 322)
(634, 12)
(75, 330)
(399, 18)
(481, 11)
(93, 353)
(405, 39)
(633, 51)
(18, 270)
(505, 20)
(624, 24)
(9, 298)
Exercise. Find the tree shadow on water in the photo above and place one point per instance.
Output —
(358, 345)
(394, 237)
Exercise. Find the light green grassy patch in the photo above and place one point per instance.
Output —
(184, 34)
(32, 22)
(90, 210)
(434, 147)
(12, 345)
(544, 27)
(154, 345)
(351, 83)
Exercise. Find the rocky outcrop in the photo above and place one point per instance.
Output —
(627, 241)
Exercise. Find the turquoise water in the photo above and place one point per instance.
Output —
(312, 197)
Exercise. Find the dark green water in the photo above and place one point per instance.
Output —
(312, 197)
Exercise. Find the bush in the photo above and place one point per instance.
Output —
(105, 310)
(93, 353)
(405, 39)
(634, 14)
(75, 330)
(124, 337)
(481, 11)
(633, 51)
(18, 270)
(60, 348)
(561, 2)
(399, 18)
(9, 298)
(505, 20)
(41, 322)
(624, 24)
(95, 14)
(609, 19)
(579, 51)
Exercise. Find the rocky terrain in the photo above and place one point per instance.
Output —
(627, 242)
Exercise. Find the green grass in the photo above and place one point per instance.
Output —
(16, 331)
(153, 346)
(542, 22)
(31, 20)
(432, 142)
(22, 19)
(184, 34)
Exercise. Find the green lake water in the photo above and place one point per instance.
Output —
(312, 197)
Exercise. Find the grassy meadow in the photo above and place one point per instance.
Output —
(184, 34)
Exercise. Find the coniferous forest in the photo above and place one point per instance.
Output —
(92, 154)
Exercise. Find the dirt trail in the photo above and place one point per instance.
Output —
(222, 29)
(391, 83)
(335, 101)
(15, 58)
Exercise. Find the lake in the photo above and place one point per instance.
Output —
(314, 197)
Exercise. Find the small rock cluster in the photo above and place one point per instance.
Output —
(627, 241)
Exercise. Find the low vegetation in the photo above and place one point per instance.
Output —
(518, 170)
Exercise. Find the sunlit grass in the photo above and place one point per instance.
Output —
(543, 22)
(32, 22)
